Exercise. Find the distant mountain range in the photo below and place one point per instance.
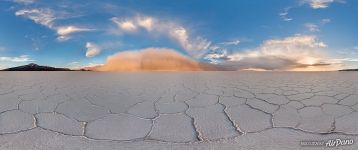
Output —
(349, 70)
(35, 67)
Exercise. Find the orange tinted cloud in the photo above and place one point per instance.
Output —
(152, 59)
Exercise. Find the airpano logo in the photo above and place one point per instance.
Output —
(339, 142)
(329, 143)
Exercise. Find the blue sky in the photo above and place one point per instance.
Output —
(247, 34)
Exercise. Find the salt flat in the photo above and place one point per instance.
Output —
(177, 110)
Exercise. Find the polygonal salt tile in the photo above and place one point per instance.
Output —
(318, 100)
(243, 94)
(184, 95)
(60, 123)
(144, 110)
(300, 96)
(336, 110)
(26, 90)
(81, 110)
(355, 107)
(8, 102)
(261, 105)
(196, 86)
(228, 92)
(33, 96)
(342, 96)
(174, 128)
(302, 89)
(350, 100)
(248, 119)
(214, 91)
(286, 117)
(118, 127)
(58, 98)
(295, 104)
(49, 90)
(212, 123)
(277, 99)
(320, 88)
(315, 120)
(272, 90)
(168, 108)
(347, 124)
(203, 100)
(232, 101)
(37, 106)
(4, 91)
(290, 92)
(15, 120)
(265, 95)
(168, 98)
(327, 93)
(117, 103)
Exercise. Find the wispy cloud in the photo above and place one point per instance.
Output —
(234, 42)
(2, 48)
(73, 65)
(65, 31)
(196, 46)
(47, 17)
(284, 14)
(22, 58)
(44, 17)
(92, 49)
(26, 2)
(347, 59)
(315, 27)
(319, 4)
(312, 27)
(325, 21)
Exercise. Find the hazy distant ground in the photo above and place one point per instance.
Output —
(177, 110)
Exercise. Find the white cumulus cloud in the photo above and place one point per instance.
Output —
(290, 53)
(127, 25)
(92, 49)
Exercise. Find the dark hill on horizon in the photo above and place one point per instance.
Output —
(35, 67)
(348, 70)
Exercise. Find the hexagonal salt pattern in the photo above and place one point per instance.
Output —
(15, 121)
(118, 127)
(182, 107)
(183, 131)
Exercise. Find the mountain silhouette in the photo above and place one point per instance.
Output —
(35, 67)
(349, 70)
